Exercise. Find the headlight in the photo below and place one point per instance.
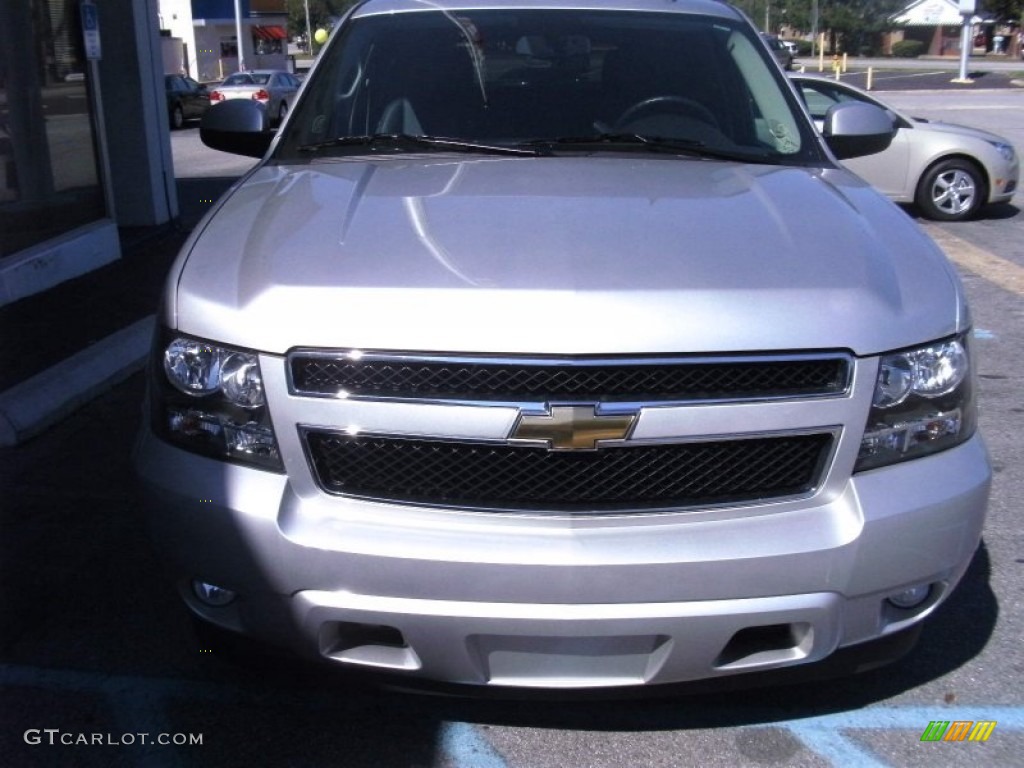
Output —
(209, 399)
(1004, 149)
(192, 367)
(923, 403)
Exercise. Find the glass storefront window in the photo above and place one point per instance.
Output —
(264, 47)
(229, 47)
(49, 183)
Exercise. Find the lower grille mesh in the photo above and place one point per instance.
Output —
(487, 476)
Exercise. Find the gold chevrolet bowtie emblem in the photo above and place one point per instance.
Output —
(572, 428)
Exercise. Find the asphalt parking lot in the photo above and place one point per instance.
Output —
(896, 75)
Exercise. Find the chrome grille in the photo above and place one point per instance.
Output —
(640, 380)
(494, 476)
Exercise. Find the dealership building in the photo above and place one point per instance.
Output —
(84, 135)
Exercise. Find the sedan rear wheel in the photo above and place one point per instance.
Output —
(282, 112)
(177, 117)
(952, 190)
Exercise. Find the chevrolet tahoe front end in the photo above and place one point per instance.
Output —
(575, 414)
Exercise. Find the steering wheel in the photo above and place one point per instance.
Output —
(668, 104)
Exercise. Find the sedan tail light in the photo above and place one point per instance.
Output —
(261, 95)
(216, 96)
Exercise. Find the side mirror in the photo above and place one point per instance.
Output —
(239, 126)
(854, 129)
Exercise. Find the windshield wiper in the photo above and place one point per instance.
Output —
(403, 142)
(674, 146)
(604, 138)
(406, 142)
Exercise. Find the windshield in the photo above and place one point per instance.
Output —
(552, 81)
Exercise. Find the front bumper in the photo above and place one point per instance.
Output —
(494, 599)
(1004, 185)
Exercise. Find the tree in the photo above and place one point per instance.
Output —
(856, 25)
(322, 14)
(1006, 10)
(853, 24)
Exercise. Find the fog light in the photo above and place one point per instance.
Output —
(211, 594)
(911, 598)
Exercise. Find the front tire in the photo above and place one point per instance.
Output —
(952, 190)
(177, 117)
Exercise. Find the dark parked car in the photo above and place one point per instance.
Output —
(782, 52)
(186, 99)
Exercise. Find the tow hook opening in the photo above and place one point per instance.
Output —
(766, 644)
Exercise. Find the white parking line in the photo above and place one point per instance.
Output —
(907, 75)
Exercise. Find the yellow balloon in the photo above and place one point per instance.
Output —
(320, 36)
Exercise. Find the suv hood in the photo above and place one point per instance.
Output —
(610, 254)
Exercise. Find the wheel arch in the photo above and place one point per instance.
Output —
(962, 156)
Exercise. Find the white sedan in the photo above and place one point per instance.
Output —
(275, 89)
(949, 171)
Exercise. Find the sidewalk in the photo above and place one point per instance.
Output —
(71, 343)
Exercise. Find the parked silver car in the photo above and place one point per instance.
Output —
(949, 171)
(274, 89)
(518, 361)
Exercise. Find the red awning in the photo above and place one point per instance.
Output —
(270, 33)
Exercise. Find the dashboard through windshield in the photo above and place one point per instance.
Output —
(548, 81)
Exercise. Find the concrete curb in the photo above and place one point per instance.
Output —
(28, 408)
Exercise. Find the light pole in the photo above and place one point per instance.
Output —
(309, 30)
(238, 35)
(967, 9)
(814, 27)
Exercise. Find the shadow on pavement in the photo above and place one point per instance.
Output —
(196, 196)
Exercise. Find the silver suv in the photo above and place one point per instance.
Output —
(549, 345)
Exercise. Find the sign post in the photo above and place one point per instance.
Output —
(967, 8)
(91, 31)
(93, 53)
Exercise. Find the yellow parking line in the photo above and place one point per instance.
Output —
(1003, 273)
